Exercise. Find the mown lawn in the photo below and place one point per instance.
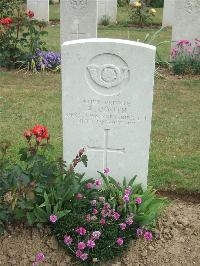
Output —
(175, 148)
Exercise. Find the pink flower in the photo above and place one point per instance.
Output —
(98, 183)
(102, 221)
(126, 198)
(93, 203)
(116, 216)
(39, 257)
(81, 245)
(139, 232)
(104, 213)
(96, 235)
(148, 235)
(84, 256)
(138, 200)
(183, 42)
(78, 253)
(128, 191)
(81, 231)
(95, 211)
(106, 206)
(102, 199)
(122, 226)
(89, 185)
(79, 196)
(106, 170)
(129, 221)
(90, 244)
(53, 218)
(68, 240)
(120, 241)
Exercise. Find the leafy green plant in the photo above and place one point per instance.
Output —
(20, 34)
(105, 20)
(140, 14)
(105, 218)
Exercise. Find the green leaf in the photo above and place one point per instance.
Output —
(132, 181)
(47, 203)
(84, 160)
(31, 218)
(104, 179)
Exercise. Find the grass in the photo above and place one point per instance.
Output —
(175, 149)
(122, 15)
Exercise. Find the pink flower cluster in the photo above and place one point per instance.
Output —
(82, 245)
(39, 257)
(127, 194)
(146, 234)
(185, 48)
(96, 184)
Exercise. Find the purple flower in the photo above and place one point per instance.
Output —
(46, 59)
(96, 235)
(84, 256)
(106, 170)
(90, 244)
(148, 235)
(95, 211)
(129, 221)
(128, 191)
(138, 200)
(120, 241)
(78, 253)
(53, 218)
(122, 226)
(81, 245)
(89, 185)
(106, 206)
(139, 232)
(93, 203)
(116, 216)
(81, 231)
(98, 183)
(126, 198)
(39, 257)
(68, 240)
(102, 221)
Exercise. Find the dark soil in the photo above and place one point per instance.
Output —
(177, 242)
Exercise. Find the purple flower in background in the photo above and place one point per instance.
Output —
(96, 235)
(98, 183)
(47, 59)
(81, 245)
(138, 200)
(84, 256)
(89, 185)
(116, 216)
(126, 198)
(129, 221)
(81, 231)
(106, 170)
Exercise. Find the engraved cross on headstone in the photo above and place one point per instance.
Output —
(105, 149)
(77, 32)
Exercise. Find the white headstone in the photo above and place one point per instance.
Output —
(168, 13)
(186, 22)
(78, 19)
(40, 9)
(107, 8)
(107, 94)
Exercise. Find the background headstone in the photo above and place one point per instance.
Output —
(40, 9)
(107, 94)
(78, 19)
(108, 8)
(168, 13)
(186, 22)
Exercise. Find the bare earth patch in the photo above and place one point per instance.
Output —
(177, 243)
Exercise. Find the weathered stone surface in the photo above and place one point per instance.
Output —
(40, 9)
(107, 88)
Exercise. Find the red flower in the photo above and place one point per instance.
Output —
(30, 14)
(6, 21)
(40, 132)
